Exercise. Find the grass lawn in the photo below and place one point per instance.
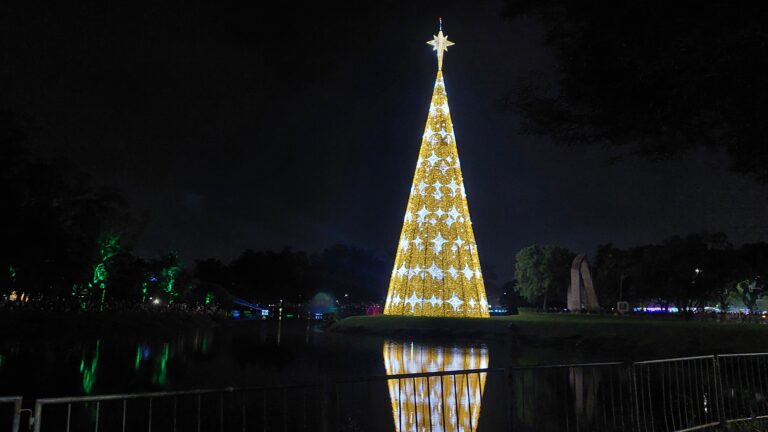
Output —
(606, 337)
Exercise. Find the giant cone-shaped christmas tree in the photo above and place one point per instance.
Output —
(437, 269)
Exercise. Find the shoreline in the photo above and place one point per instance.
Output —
(57, 326)
(616, 337)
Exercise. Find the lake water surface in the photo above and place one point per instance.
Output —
(268, 353)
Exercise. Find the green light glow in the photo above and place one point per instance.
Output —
(109, 247)
(88, 369)
(169, 279)
(2, 361)
(160, 376)
(144, 291)
(208, 298)
(137, 361)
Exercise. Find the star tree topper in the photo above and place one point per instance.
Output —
(440, 44)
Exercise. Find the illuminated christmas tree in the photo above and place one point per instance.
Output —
(437, 269)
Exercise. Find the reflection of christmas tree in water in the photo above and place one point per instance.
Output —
(446, 403)
(437, 269)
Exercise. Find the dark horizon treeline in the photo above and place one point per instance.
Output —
(55, 220)
(690, 273)
(64, 239)
(344, 271)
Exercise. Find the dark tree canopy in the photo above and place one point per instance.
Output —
(689, 272)
(54, 217)
(343, 271)
(542, 273)
(654, 78)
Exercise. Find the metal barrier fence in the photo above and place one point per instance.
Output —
(428, 401)
(14, 404)
(423, 401)
(228, 409)
(675, 395)
(578, 397)
(744, 381)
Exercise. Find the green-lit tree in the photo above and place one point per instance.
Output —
(172, 288)
(56, 223)
(95, 290)
(749, 292)
(542, 273)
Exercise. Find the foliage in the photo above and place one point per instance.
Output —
(749, 292)
(296, 276)
(511, 298)
(654, 78)
(543, 273)
(55, 221)
(612, 268)
(690, 272)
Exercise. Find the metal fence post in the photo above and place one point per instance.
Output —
(509, 395)
(719, 394)
(16, 415)
(647, 398)
(38, 419)
(328, 410)
(634, 395)
(16, 410)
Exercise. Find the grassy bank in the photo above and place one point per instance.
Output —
(24, 325)
(613, 336)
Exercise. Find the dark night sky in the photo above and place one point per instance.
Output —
(261, 126)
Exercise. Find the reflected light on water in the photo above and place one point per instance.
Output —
(448, 403)
(88, 368)
(160, 375)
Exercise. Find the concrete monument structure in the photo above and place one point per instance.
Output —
(581, 292)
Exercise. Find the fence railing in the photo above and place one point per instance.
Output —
(744, 380)
(671, 395)
(676, 394)
(427, 401)
(575, 397)
(227, 409)
(14, 404)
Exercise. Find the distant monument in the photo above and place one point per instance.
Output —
(581, 293)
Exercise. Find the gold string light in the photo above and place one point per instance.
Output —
(437, 268)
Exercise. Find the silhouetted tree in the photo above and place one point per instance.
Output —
(654, 78)
(511, 298)
(612, 274)
(54, 218)
(353, 271)
(213, 277)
